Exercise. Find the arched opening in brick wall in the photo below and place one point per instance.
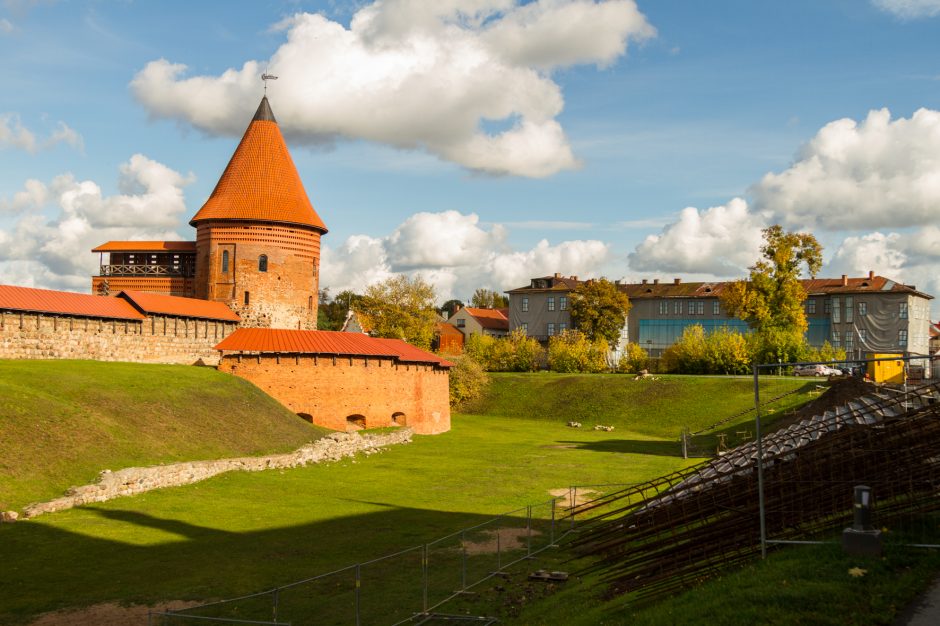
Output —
(399, 419)
(355, 422)
(305, 417)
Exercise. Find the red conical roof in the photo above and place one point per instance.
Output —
(260, 181)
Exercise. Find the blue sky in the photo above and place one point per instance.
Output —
(681, 104)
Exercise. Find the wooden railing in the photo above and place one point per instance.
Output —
(186, 271)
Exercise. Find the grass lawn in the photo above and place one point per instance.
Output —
(239, 533)
(62, 422)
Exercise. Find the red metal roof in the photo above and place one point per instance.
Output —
(493, 319)
(146, 246)
(261, 182)
(154, 303)
(324, 342)
(65, 303)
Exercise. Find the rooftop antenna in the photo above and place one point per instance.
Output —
(266, 77)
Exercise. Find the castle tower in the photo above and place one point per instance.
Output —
(258, 236)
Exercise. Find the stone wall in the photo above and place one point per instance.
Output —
(156, 339)
(134, 480)
(347, 393)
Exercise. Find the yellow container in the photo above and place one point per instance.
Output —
(887, 371)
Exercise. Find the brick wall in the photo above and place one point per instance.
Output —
(156, 339)
(344, 393)
(168, 285)
(285, 296)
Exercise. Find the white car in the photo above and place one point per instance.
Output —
(815, 370)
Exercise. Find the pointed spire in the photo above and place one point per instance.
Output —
(260, 182)
(264, 112)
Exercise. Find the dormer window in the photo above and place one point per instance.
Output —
(263, 263)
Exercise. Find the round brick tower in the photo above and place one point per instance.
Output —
(258, 236)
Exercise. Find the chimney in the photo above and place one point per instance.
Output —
(845, 280)
(676, 281)
(617, 282)
(645, 281)
(871, 274)
(574, 278)
(557, 275)
(655, 281)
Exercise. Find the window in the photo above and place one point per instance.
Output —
(314, 268)
(247, 298)
(849, 308)
(225, 261)
(700, 307)
(263, 263)
(716, 307)
(827, 307)
(902, 311)
(902, 337)
(811, 307)
(663, 307)
(835, 339)
(692, 307)
(551, 329)
(525, 305)
(525, 327)
(551, 303)
(677, 307)
(849, 340)
(836, 310)
(562, 327)
(862, 335)
(563, 303)
(862, 309)
(309, 303)
(461, 322)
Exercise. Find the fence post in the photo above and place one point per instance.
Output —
(499, 553)
(358, 585)
(528, 531)
(463, 560)
(552, 532)
(277, 593)
(685, 443)
(760, 465)
(424, 598)
(574, 504)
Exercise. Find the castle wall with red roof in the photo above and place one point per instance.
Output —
(348, 392)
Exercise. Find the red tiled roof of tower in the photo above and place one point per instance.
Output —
(323, 342)
(146, 246)
(159, 304)
(32, 300)
(260, 182)
(493, 319)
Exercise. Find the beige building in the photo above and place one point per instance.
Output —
(867, 314)
(474, 321)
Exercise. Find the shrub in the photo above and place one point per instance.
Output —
(467, 381)
(514, 353)
(724, 351)
(571, 351)
(634, 359)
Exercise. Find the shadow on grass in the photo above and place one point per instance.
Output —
(49, 568)
(628, 446)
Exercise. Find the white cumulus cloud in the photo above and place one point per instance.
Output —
(874, 174)
(454, 253)
(52, 247)
(468, 81)
(13, 134)
(721, 241)
(909, 9)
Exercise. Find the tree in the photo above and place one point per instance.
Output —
(572, 351)
(599, 310)
(771, 300)
(331, 312)
(488, 299)
(450, 307)
(400, 308)
(634, 359)
(467, 381)
(514, 353)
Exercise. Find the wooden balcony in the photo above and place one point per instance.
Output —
(185, 270)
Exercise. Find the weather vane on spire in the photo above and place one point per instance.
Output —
(266, 77)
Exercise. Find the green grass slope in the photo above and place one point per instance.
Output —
(62, 422)
(658, 407)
